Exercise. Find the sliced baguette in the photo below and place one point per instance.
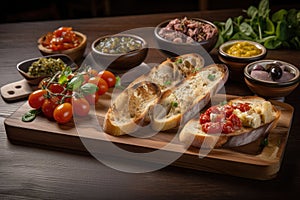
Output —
(192, 134)
(130, 109)
(172, 71)
(181, 103)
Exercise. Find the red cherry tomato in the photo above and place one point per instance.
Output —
(92, 98)
(56, 88)
(109, 77)
(103, 86)
(63, 113)
(101, 83)
(37, 98)
(48, 107)
(81, 106)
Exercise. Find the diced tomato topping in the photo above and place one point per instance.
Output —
(236, 122)
(212, 127)
(204, 118)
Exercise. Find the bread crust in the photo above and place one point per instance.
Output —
(198, 100)
(178, 69)
(128, 112)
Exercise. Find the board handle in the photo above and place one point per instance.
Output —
(16, 90)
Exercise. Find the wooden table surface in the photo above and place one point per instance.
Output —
(31, 172)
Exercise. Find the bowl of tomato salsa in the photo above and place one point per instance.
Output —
(63, 40)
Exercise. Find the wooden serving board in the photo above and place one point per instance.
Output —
(250, 161)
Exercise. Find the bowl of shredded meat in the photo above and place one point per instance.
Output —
(186, 35)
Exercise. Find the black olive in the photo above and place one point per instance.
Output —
(276, 72)
(270, 65)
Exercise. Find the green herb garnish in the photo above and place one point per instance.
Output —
(179, 61)
(167, 83)
(211, 77)
(174, 104)
(30, 115)
(278, 30)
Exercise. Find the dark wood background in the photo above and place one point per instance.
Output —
(31, 172)
(33, 10)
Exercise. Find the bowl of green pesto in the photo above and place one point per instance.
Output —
(119, 52)
(36, 69)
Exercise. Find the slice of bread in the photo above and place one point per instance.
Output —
(192, 133)
(184, 101)
(172, 71)
(130, 109)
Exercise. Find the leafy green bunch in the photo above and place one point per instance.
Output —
(278, 30)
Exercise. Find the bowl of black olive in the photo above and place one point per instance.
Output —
(119, 52)
(271, 78)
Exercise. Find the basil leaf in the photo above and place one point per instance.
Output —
(279, 15)
(88, 88)
(282, 30)
(75, 82)
(30, 115)
(272, 43)
(263, 8)
(64, 75)
(252, 12)
(228, 27)
(270, 28)
(246, 29)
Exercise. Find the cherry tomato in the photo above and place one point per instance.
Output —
(204, 118)
(69, 98)
(81, 106)
(103, 86)
(48, 107)
(212, 127)
(101, 83)
(37, 98)
(92, 98)
(56, 88)
(63, 113)
(94, 80)
(109, 77)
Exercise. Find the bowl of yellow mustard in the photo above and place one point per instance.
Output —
(236, 54)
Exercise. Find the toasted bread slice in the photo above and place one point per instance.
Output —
(130, 109)
(181, 103)
(172, 71)
(192, 133)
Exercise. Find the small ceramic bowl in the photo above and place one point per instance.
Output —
(271, 89)
(23, 67)
(74, 53)
(120, 61)
(237, 64)
(178, 48)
